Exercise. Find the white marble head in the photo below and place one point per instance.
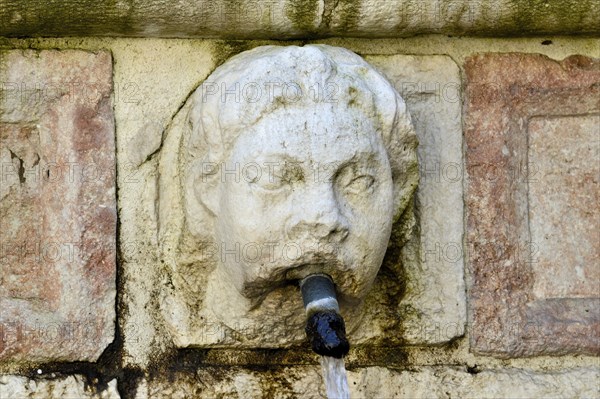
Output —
(299, 160)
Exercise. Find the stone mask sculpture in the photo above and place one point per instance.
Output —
(292, 161)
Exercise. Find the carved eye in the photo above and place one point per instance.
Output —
(360, 184)
(272, 183)
(280, 179)
(352, 180)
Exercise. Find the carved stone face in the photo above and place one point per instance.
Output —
(313, 194)
(292, 161)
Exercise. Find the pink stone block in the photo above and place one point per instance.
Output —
(57, 206)
(531, 133)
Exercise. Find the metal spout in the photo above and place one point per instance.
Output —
(325, 327)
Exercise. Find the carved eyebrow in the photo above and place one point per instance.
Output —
(277, 156)
(364, 158)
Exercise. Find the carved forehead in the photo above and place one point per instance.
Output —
(302, 135)
(264, 80)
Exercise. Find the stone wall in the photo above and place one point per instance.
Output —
(500, 291)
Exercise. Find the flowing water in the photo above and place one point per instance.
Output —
(334, 374)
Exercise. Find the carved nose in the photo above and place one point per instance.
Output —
(318, 217)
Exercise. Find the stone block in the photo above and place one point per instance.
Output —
(222, 294)
(153, 78)
(433, 309)
(75, 386)
(57, 206)
(531, 132)
(247, 19)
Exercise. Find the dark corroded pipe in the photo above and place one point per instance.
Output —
(325, 327)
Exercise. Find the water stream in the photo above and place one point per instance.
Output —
(334, 374)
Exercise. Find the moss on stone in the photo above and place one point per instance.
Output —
(349, 11)
(222, 50)
(300, 18)
(2, 68)
(535, 16)
(110, 17)
(303, 14)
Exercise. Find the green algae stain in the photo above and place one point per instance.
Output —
(303, 14)
(349, 11)
(222, 50)
(539, 16)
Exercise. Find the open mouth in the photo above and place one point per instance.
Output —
(292, 274)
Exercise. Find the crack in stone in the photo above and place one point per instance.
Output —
(21, 168)
(329, 7)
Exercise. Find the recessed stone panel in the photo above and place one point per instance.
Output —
(532, 200)
(217, 298)
(57, 205)
(564, 205)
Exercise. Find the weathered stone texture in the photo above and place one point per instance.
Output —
(378, 382)
(57, 205)
(16, 387)
(252, 299)
(154, 78)
(164, 72)
(434, 309)
(532, 202)
(286, 19)
(433, 261)
(564, 205)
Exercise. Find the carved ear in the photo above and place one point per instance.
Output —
(204, 149)
(206, 186)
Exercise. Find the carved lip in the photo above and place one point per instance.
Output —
(292, 273)
(319, 264)
(335, 269)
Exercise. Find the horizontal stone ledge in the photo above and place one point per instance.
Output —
(272, 19)
(375, 382)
